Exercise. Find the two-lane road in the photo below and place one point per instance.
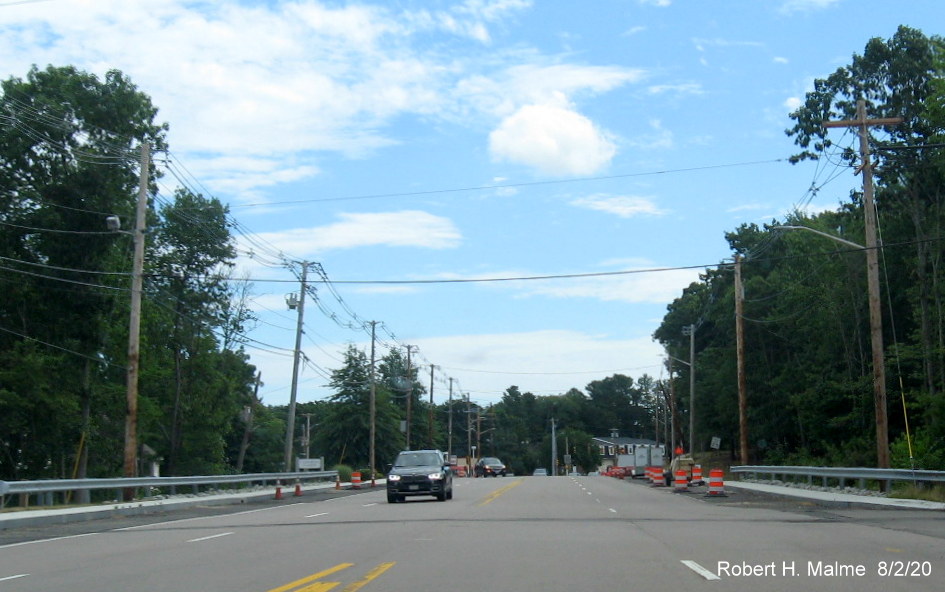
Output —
(514, 533)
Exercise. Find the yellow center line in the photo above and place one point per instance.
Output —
(492, 496)
(319, 587)
(370, 577)
(308, 579)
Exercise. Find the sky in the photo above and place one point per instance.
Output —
(470, 174)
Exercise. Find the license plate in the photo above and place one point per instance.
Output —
(414, 487)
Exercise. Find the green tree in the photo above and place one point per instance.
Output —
(68, 157)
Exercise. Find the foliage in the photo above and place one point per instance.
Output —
(68, 153)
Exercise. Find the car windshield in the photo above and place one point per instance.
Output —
(491, 461)
(417, 459)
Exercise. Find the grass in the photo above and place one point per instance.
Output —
(935, 493)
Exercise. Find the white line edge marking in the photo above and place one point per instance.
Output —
(700, 570)
(13, 577)
(166, 522)
(62, 538)
(212, 536)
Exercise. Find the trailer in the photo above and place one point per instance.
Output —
(640, 457)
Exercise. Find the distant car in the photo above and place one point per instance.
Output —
(540, 473)
(490, 466)
(420, 472)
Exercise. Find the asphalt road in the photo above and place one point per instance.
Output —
(515, 533)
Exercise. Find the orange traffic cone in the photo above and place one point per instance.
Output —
(278, 492)
(298, 489)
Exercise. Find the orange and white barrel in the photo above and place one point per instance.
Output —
(356, 480)
(697, 475)
(716, 483)
(680, 483)
(658, 476)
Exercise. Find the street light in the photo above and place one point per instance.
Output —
(876, 338)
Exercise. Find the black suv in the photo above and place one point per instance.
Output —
(490, 465)
(420, 472)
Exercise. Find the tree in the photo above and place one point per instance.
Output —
(344, 428)
(67, 156)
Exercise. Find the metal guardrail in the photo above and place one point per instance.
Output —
(46, 488)
(843, 474)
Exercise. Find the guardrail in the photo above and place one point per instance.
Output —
(843, 474)
(45, 490)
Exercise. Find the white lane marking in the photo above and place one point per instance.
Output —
(368, 505)
(63, 538)
(700, 570)
(165, 523)
(612, 510)
(317, 515)
(212, 536)
(13, 577)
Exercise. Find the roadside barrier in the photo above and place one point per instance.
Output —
(658, 477)
(680, 484)
(356, 480)
(697, 475)
(716, 483)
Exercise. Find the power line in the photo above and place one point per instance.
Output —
(510, 185)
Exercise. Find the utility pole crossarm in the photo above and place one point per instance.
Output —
(858, 122)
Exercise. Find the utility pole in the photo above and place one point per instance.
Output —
(872, 273)
(479, 432)
(373, 401)
(554, 449)
(409, 393)
(134, 327)
(430, 415)
(290, 422)
(449, 423)
(740, 354)
(247, 416)
(308, 434)
(690, 330)
(469, 467)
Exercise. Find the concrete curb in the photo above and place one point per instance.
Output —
(838, 499)
(46, 516)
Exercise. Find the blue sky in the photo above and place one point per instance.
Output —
(409, 141)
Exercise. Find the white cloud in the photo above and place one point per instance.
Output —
(409, 228)
(488, 364)
(554, 140)
(625, 206)
(791, 6)
(690, 88)
(658, 138)
(645, 287)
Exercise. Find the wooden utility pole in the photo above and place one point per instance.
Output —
(740, 354)
(430, 411)
(409, 394)
(872, 275)
(134, 327)
(373, 401)
(290, 421)
(449, 424)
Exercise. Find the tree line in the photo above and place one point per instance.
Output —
(68, 148)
